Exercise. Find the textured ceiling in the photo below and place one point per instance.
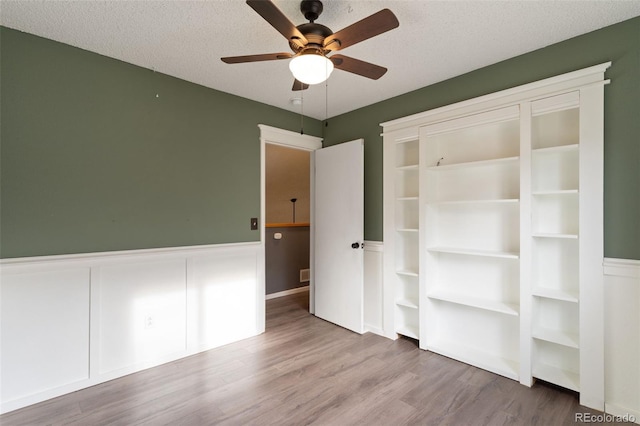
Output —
(436, 40)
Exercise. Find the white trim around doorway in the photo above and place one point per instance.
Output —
(275, 136)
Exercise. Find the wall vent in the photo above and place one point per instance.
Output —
(304, 275)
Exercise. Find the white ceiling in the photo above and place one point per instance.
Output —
(436, 40)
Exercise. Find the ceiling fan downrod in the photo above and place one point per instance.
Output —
(311, 9)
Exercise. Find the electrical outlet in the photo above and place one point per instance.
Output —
(254, 223)
(148, 322)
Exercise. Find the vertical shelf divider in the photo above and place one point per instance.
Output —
(526, 349)
(591, 236)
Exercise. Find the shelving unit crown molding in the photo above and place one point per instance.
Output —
(548, 87)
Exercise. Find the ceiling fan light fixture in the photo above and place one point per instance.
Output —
(311, 67)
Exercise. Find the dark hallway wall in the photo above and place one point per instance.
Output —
(286, 257)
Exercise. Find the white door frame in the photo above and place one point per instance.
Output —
(286, 138)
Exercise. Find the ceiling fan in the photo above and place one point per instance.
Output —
(312, 42)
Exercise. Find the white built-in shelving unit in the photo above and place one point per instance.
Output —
(471, 206)
(493, 231)
(555, 205)
(405, 268)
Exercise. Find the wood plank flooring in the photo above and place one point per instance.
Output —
(302, 371)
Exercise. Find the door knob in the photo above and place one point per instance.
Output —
(355, 245)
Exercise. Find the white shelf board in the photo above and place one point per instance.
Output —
(409, 331)
(495, 364)
(492, 201)
(475, 302)
(553, 235)
(407, 303)
(407, 229)
(556, 336)
(473, 252)
(407, 198)
(557, 148)
(469, 164)
(556, 192)
(408, 167)
(552, 293)
(558, 376)
(407, 273)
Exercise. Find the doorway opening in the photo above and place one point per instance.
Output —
(273, 137)
(287, 220)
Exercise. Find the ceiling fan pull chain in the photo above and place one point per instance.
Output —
(326, 103)
(302, 112)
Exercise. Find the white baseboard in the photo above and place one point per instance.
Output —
(375, 330)
(625, 414)
(287, 292)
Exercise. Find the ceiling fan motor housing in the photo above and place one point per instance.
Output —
(315, 35)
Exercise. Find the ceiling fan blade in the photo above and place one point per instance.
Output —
(298, 85)
(356, 66)
(256, 58)
(364, 29)
(278, 20)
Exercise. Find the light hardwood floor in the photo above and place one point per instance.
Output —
(306, 371)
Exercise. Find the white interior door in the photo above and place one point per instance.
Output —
(338, 234)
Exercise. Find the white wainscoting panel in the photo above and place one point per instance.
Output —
(221, 299)
(373, 296)
(45, 331)
(70, 322)
(142, 312)
(622, 337)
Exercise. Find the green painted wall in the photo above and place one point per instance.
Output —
(92, 160)
(619, 43)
